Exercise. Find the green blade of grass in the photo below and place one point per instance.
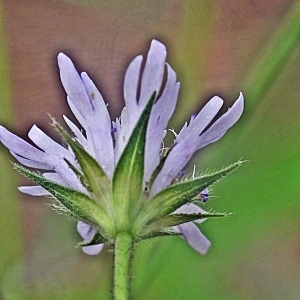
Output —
(10, 221)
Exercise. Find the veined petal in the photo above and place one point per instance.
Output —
(194, 237)
(159, 118)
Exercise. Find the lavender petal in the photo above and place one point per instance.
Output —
(185, 145)
(89, 108)
(153, 72)
(159, 118)
(219, 128)
(73, 85)
(87, 232)
(56, 155)
(93, 250)
(21, 147)
(78, 134)
(99, 128)
(131, 82)
(151, 81)
(34, 191)
(195, 237)
(29, 163)
(190, 139)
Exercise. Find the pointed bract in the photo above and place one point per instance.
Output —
(128, 176)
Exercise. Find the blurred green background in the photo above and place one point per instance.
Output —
(216, 47)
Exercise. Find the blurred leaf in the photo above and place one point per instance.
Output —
(277, 52)
(10, 220)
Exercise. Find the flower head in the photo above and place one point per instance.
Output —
(115, 177)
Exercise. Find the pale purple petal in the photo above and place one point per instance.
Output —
(55, 177)
(29, 163)
(201, 121)
(131, 82)
(151, 81)
(52, 158)
(186, 144)
(122, 133)
(93, 250)
(195, 237)
(219, 128)
(159, 118)
(21, 147)
(56, 155)
(44, 142)
(87, 232)
(34, 191)
(78, 134)
(153, 72)
(89, 108)
(99, 127)
(73, 85)
(76, 113)
(38, 190)
(190, 139)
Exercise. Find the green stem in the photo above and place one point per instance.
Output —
(123, 252)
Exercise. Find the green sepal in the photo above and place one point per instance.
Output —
(98, 238)
(177, 219)
(159, 233)
(176, 195)
(62, 210)
(94, 176)
(128, 175)
(79, 204)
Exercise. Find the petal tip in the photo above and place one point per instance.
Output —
(63, 59)
(157, 46)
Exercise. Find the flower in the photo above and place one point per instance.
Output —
(114, 176)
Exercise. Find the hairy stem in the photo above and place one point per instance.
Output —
(122, 256)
